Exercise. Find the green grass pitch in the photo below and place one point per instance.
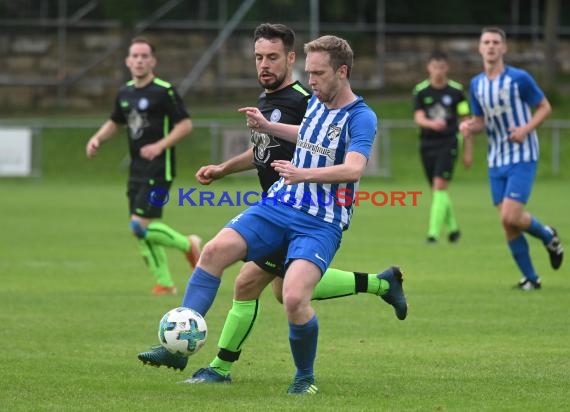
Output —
(75, 310)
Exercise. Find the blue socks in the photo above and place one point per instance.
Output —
(303, 341)
(520, 252)
(540, 231)
(201, 291)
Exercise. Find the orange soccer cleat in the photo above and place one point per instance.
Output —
(163, 290)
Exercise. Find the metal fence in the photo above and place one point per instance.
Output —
(219, 140)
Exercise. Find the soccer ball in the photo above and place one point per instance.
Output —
(182, 330)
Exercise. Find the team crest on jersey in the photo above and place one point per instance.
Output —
(275, 116)
(143, 103)
(333, 132)
(446, 99)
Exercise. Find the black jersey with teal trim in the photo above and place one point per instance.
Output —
(288, 106)
(448, 104)
(150, 113)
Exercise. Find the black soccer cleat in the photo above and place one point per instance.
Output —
(454, 236)
(527, 284)
(159, 356)
(555, 250)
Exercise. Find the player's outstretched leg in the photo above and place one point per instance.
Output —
(159, 356)
(394, 293)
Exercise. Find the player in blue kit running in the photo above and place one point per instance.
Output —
(502, 99)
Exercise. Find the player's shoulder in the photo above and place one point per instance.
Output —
(294, 95)
(297, 91)
(517, 73)
(455, 85)
(421, 86)
(127, 86)
(299, 88)
(157, 81)
(361, 109)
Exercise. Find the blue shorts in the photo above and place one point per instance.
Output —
(267, 228)
(513, 181)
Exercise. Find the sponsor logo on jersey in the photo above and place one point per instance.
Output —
(317, 149)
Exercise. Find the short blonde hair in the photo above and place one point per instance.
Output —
(338, 49)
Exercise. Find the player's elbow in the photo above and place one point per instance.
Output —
(547, 108)
(354, 172)
(354, 176)
(419, 118)
(185, 126)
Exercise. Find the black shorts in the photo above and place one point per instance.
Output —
(147, 199)
(439, 161)
(273, 263)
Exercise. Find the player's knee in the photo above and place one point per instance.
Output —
(292, 300)
(211, 250)
(509, 220)
(138, 229)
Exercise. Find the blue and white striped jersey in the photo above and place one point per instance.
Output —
(325, 137)
(506, 102)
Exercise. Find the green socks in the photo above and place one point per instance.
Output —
(437, 212)
(336, 283)
(163, 235)
(237, 328)
(441, 212)
(157, 262)
(450, 221)
(158, 236)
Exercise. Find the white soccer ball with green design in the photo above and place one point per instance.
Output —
(182, 330)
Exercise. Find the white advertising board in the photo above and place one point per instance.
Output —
(15, 151)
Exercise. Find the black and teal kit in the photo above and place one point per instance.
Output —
(150, 113)
(438, 149)
(288, 106)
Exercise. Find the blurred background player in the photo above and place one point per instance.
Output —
(439, 103)
(156, 120)
(283, 101)
(502, 98)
